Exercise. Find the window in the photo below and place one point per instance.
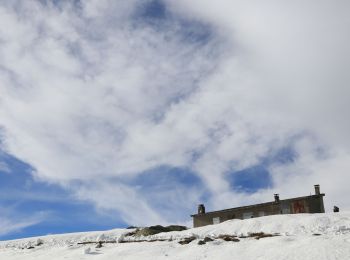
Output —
(248, 215)
(216, 220)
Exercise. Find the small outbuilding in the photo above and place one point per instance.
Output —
(306, 204)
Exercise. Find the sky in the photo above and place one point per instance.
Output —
(117, 113)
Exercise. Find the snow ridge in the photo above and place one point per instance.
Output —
(300, 236)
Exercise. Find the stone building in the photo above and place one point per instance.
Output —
(306, 204)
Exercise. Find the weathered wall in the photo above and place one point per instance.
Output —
(309, 204)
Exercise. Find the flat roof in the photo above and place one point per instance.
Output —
(256, 205)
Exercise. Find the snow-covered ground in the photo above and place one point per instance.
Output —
(302, 236)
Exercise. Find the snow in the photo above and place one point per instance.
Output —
(300, 236)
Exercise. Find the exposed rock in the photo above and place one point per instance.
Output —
(187, 240)
(259, 235)
(229, 238)
(176, 228)
(208, 239)
(131, 227)
(39, 242)
(129, 234)
(152, 230)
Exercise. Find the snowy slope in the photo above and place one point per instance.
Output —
(303, 236)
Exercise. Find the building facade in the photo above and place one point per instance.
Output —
(306, 204)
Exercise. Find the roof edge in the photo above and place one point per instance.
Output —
(259, 204)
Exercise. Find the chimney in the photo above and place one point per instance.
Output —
(277, 198)
(201, 209)
(317, 189)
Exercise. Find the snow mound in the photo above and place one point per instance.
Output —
(296, 224)
(300, 236)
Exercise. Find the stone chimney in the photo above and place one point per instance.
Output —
(317, 189)
(201, 209)
(277, 198)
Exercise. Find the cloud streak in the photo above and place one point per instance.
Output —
(8, 226)
(10, 222)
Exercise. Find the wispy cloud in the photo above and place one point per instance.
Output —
(94, 95)
(11, 222)
(9, 226)
(4, 167)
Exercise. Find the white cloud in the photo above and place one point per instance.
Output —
(287, 74)
(94, 96)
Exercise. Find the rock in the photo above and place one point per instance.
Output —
(259, 235)
(99, 245)
(229, 238)
(176, 228)
(208, 239)
(152, 230)
(131, 227)
(201, 242)
(187, 240)
(39, 242)
(133, 233)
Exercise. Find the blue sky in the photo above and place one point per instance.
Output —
(117, 113)
(23, 196)
(62, 213)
